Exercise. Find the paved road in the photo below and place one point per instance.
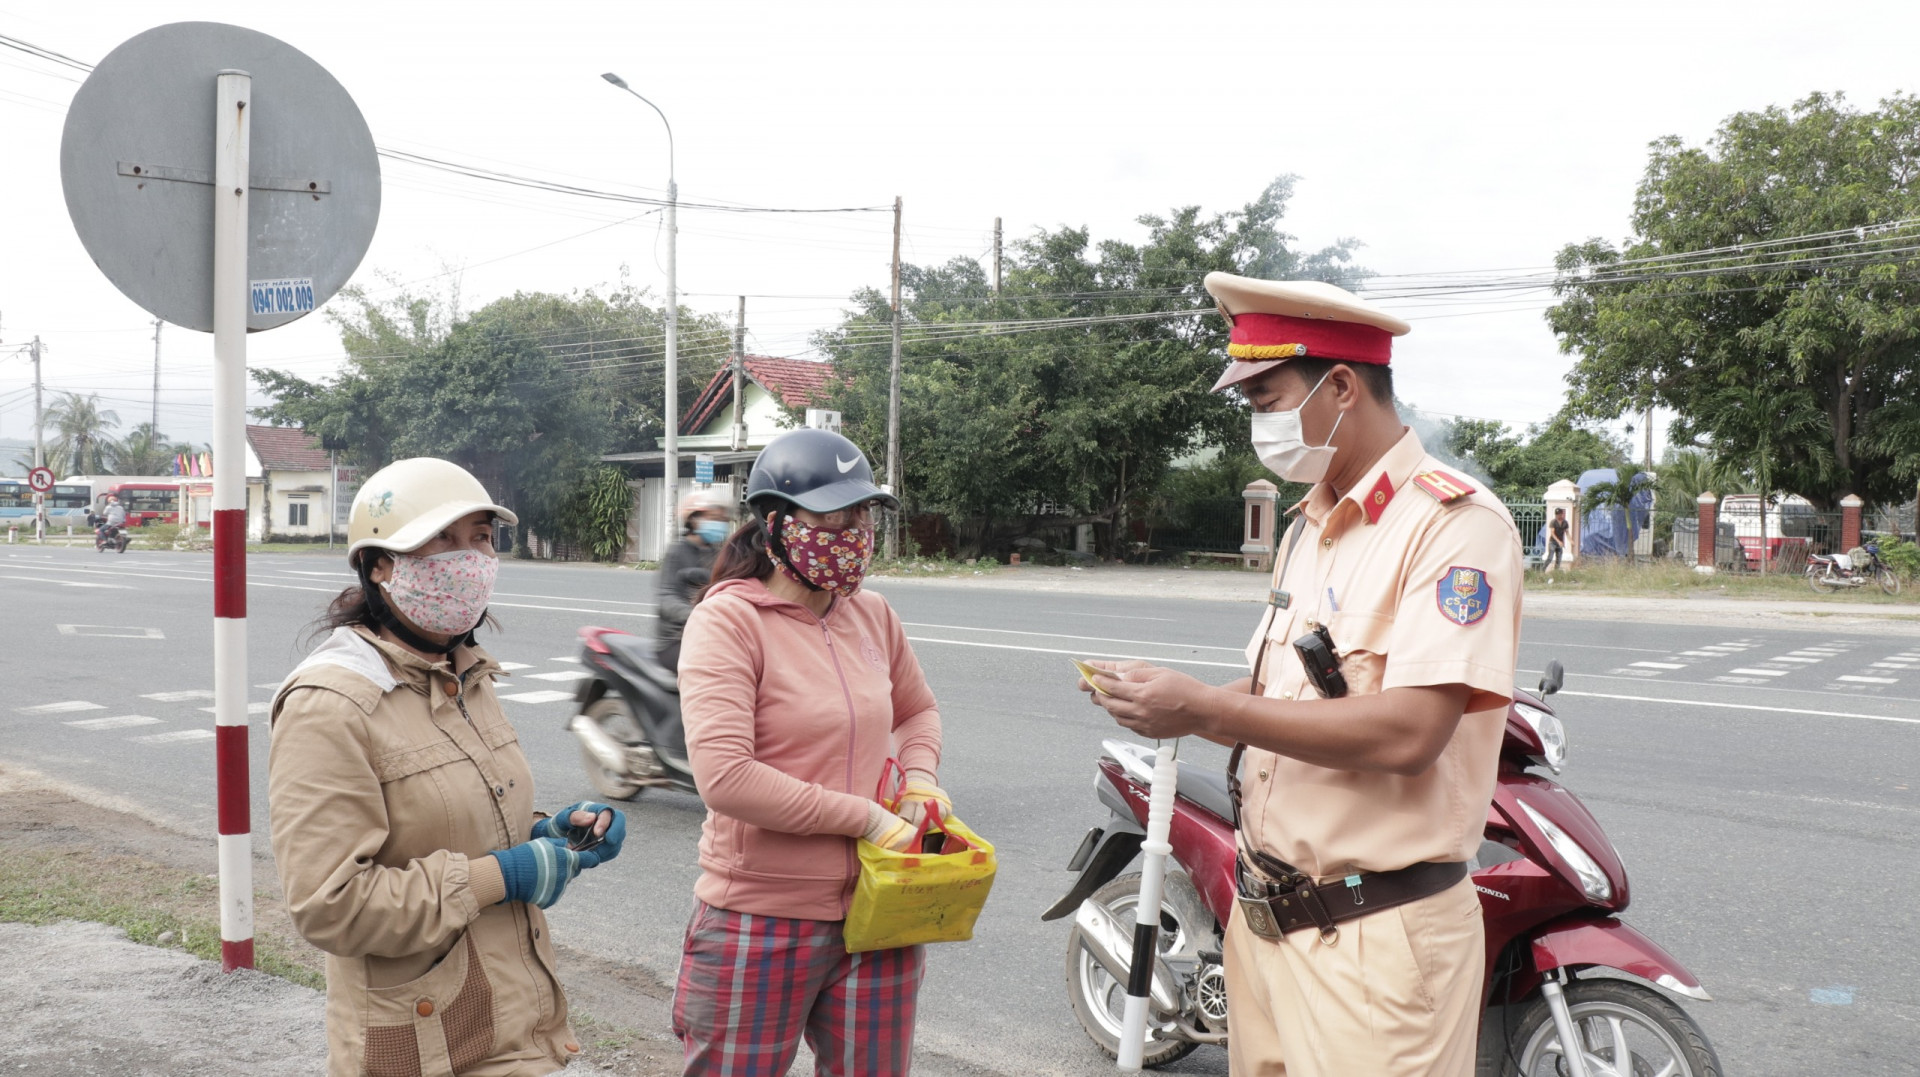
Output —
(1762, 785)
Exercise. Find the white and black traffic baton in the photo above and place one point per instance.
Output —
(1146, 914)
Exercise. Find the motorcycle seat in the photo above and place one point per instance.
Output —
(1842, 562)
(637, 654)
(1206, 787)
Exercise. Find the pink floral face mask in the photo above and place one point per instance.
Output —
(444, 593)
(830, 560)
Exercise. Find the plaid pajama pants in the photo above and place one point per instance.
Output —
(751, 986)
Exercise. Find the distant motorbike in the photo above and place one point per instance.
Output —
(628, 717)
(111, 536)
(1829, 573)
(1562, 967)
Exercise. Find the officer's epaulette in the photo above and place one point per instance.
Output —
(1443, 487)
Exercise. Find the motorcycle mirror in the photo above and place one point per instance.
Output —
(1556, 676)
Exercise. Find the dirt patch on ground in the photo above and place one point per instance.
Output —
(109, 947)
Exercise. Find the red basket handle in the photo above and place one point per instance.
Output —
(932, 821)
(891, 770)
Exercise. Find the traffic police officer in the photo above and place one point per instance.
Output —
(1370, 744)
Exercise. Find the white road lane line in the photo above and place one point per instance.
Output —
(563, 675)
(179, 697)
(111, 631)
(570, 598)
(1059, 635)
(118, 721)
(67, 707)
(1661, 665)
(538, 697)
(1101, 616)
(1833, 801)
(1762, 672)
(70, 583)
(574, 609)
(175, 737)
(1744, 707)
(1079, 654)
(252, 708)
(1552, 645)
(1856, 679)
(1759, 684)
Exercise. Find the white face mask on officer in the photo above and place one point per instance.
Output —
(1281, 446)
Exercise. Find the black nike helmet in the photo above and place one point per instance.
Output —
(817, 470)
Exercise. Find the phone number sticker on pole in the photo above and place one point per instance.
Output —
(289, 295)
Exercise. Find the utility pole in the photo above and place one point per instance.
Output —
(39, 446)
(739, 376)
(996, 256)
(893, 395)
(153, 423)
(1649, 433)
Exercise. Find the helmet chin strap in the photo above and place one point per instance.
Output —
(383, 613)
(777, 544)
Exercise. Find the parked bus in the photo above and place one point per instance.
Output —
(66, 503)
(147, 502)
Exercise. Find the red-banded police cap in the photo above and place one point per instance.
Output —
(1277, 320)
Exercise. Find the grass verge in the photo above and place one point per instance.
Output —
(1616, 577)
(145, 899)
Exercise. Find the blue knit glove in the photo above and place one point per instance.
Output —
(609, 845)
(537, 872)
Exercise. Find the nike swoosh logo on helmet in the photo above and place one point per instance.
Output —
(846, 465)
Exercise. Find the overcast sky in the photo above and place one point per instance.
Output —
(1462, 136)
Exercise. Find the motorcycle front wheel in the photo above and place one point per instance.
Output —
(1889, 583)
(1820, 581)
(1625, 1030)
(610, 713)
(1098, 999)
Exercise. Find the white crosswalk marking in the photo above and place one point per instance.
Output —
(252, 708)
(61, 708)
(1661, 665)
(511, 666)
(1857, 679)
(1791, 658)
(1702, 654)
(1762, 672)
(566, 658)
(563, 675)
(179, 697)
(1896, 665)
(118, 721)
(176, 737)
(538, 697)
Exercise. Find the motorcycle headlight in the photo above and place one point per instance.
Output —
(1553, 735)
(1592, 879)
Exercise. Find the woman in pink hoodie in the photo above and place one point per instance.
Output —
(796, 689)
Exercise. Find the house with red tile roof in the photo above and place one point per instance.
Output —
(291, 485)
(733, 433)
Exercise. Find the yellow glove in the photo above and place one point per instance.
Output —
(917, 792)
(887, 830)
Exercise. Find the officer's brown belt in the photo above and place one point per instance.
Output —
(1296, 902)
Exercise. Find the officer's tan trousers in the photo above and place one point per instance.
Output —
(1397, 995)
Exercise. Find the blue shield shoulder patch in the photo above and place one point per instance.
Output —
(1464, 595)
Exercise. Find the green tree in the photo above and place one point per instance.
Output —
(146, 451)
(1832, 323)
(1075, 388)
(82, 441)
(1522, 468)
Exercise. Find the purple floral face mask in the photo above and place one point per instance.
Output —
(830, 560)
(444, 593)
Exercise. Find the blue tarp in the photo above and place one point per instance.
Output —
(1610, 532)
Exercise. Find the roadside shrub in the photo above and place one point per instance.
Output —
(1902, 557)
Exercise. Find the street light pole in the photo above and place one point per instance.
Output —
(671, 463)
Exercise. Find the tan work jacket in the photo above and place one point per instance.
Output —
(387, 777)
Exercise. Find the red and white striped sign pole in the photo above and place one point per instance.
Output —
(231, 296)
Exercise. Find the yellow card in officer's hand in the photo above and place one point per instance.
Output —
(1090, 673)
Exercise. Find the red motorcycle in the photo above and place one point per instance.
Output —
(1562, 967)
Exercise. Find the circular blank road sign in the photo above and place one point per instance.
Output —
(40, 480)
(137, 156)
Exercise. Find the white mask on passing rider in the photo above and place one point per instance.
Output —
(1280, 445)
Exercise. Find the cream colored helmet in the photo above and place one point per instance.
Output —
(404, 505)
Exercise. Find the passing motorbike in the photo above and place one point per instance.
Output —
(1827, 573)
(111, 537)
(627, 717)
(1562, 967)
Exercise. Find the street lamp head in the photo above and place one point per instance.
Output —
(615, 79)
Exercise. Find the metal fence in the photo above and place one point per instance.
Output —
(1209, 525)
(1531, 518)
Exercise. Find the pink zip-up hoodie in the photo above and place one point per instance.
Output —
(790, 720)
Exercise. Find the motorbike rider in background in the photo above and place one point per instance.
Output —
(685, 569)
(114, 515)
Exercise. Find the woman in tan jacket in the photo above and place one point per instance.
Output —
(402, 807)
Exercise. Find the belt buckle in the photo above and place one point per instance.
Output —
(1259, 917)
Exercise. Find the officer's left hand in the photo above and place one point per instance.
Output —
(1154, 702)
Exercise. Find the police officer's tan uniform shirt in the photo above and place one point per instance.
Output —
(1416, 592)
